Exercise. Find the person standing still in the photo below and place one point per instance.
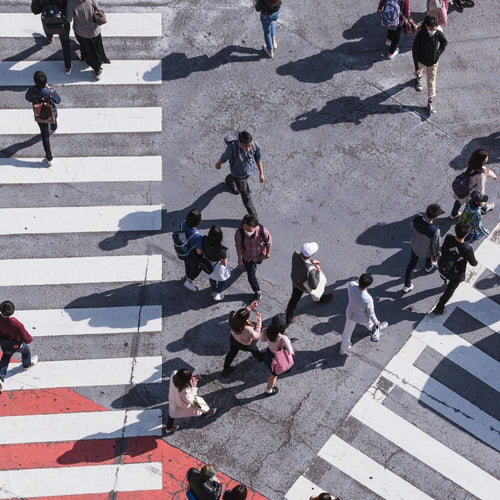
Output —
(40, 92)
(360, 309)
(427, 48)
(253, 245)
(424, 243)
(13, 338)
(269, 14)
(243, 154)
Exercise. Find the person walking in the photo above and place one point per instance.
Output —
(472, 215)
(394, 31)
(439, 10)
(306, 276)
(424, 242)
(54, 22)
(243, 154)
(13, 338)
(88, 33)
(455, 255)
(41, 93)
(216, 253)
(428, 46)
(244, 335)
(253, 245)
(276, 339)
(269, 14)
(360, 309)
(183, 399)
(239, 492)
(472, 179)
(193, 238)
(203, 484)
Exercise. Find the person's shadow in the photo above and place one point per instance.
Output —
(490, 142)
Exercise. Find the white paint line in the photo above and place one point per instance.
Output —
(302, 489)
(70, 270)
(367, 472)
(488, 253)
(80, 480)
(426, 449)
(81, 169)
(84, 120)
(130, 72)
(77, 426)
(119, 24)
(464, 354)
(85, 373)
(91, 321)
(48, 220)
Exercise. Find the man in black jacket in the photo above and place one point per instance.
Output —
(428, 46)
(203, 484)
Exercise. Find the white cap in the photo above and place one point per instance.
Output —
(309, 249)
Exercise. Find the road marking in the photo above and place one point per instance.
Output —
(88, 479)
(130, 72)
(425, 448)
(367, 472)
(84, 120)
(70, 270)
(91, 321)
(56, 220)
(302, 489)
(487, 253)
(120, 24)
(85, 373)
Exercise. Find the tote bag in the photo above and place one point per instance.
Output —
(282, 361)
(318, 292)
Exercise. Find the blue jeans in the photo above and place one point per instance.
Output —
(251, 269)
(269, 27)
(217, 286)
(9, 347)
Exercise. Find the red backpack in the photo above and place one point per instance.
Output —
(43, 110)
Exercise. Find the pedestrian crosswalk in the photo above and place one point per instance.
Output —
(438, 451)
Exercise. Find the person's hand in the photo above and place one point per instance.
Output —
(194, 380)
(253, 304)
(261, 178)
(434, 258)
(218, 165)
(418, 73)
(259, 316)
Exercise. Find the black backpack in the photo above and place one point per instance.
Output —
(262, 236)
(447, 263)
(53, 15)
(182, 244)
(460, 185)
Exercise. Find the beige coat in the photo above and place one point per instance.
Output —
(180, 404)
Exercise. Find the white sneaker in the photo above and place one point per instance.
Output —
(275, 45)
(268, 52)
(190, 286)
(67, 71)
(392, 56)
(407, 289)
(46, 163)
(344, 353)
(34, 361)
(383, 325)
(430, 269)
(218, 297)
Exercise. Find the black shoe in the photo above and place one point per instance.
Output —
(274, 391)
(325, 298)
(469, 3)
(438, 311)
(459, 9)
(227, 371)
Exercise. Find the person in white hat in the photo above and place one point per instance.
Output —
(304, 271)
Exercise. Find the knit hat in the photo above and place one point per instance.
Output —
(309, 249)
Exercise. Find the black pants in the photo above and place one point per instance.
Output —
(292, 304)
(170, 422)
(235, 347)
(45, 129)
(65, 44)
(92, 51)
(394, 36)
(411, 267)
(450, 290)
(192, 265)
(241, 186)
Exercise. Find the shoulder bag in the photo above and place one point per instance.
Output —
(318, 292)
(99, 15)
(282, 361)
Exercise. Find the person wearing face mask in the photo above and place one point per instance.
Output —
(428, 46)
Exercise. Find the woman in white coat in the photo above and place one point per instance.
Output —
(183, 399)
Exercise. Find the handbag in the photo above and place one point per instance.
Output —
(220, 272)
(410, 27)
(317, 292)
(201, 404)
(282, 361)
(99, 15)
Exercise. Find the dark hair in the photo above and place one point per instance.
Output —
(40, 79)
(433, 211)
(193, 218)
(239, 319)
(250, 220)
(325, 496)
(215, 236)
(430, 21)
(462, 229)
(182, 379)
(275, 328)
(238, 492)
(476, 161)
(7, 308)
(365, 280)
(244, 137)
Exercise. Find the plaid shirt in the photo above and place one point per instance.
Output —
(254, 248)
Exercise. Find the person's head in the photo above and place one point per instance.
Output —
(476, 161)
(208, 472)
(365, 280)
(7, 308)
(431, 24)
(193, 218)
(239, 319)
(182, 379)
(433, 211)
(40, 79)
(278, 326)
(215, 235)
(478, 198)
(238, 492)
(245, 140)
(309, 249)
(462, 229)
(249, 224)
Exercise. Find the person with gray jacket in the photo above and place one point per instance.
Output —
(303, 269)
(424, 242)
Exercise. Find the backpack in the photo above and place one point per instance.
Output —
(182, 245)
(447, 263)
(53, 19)
(230, 140)
(467, 215)
(460, 185)
(43, 110)
(262, 236)
(389, 15)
